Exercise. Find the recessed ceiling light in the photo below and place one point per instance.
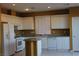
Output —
(49, 7)
(27, 9)
(13, 4)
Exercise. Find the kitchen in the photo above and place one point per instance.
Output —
(46, 33)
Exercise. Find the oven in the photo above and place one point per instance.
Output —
(20, 44)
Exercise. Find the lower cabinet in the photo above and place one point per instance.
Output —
(44, 43)
(62, 42)
(55, 43)
(52, 43)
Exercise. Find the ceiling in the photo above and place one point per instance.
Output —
(37, 7)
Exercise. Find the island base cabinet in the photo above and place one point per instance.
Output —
(33, 48)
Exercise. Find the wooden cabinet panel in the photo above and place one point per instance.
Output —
(17, 21)
(28, 23)
(59, 21)
(42, 24)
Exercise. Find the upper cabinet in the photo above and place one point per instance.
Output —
(42, 24)
(59, 22)
(17, 21)
(28, 23)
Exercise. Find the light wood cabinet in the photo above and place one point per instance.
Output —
(59, 21)
(42, 24)
(28, 23)
(17, 21)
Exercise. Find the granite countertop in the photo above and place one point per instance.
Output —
(37, 37)
(44, 35)
(32, 39)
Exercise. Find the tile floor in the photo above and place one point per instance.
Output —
(20, 53)
(51, 52)
(56, 52)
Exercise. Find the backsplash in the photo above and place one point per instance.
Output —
(60, 32)
(25, 32)
(55, 32)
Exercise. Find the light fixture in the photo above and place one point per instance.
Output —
(13, 4)
(49, 7)
(27, 9)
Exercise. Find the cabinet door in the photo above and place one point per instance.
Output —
(62, 42)
(66, 43)
(42, 24)
(59, 21)
(59, 43)
(44, 43)
(28, 23)
(52, 43)
(20, 27)
(18, 22)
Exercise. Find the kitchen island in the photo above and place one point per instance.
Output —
(33, 46)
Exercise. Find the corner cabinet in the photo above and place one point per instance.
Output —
(59, 21)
